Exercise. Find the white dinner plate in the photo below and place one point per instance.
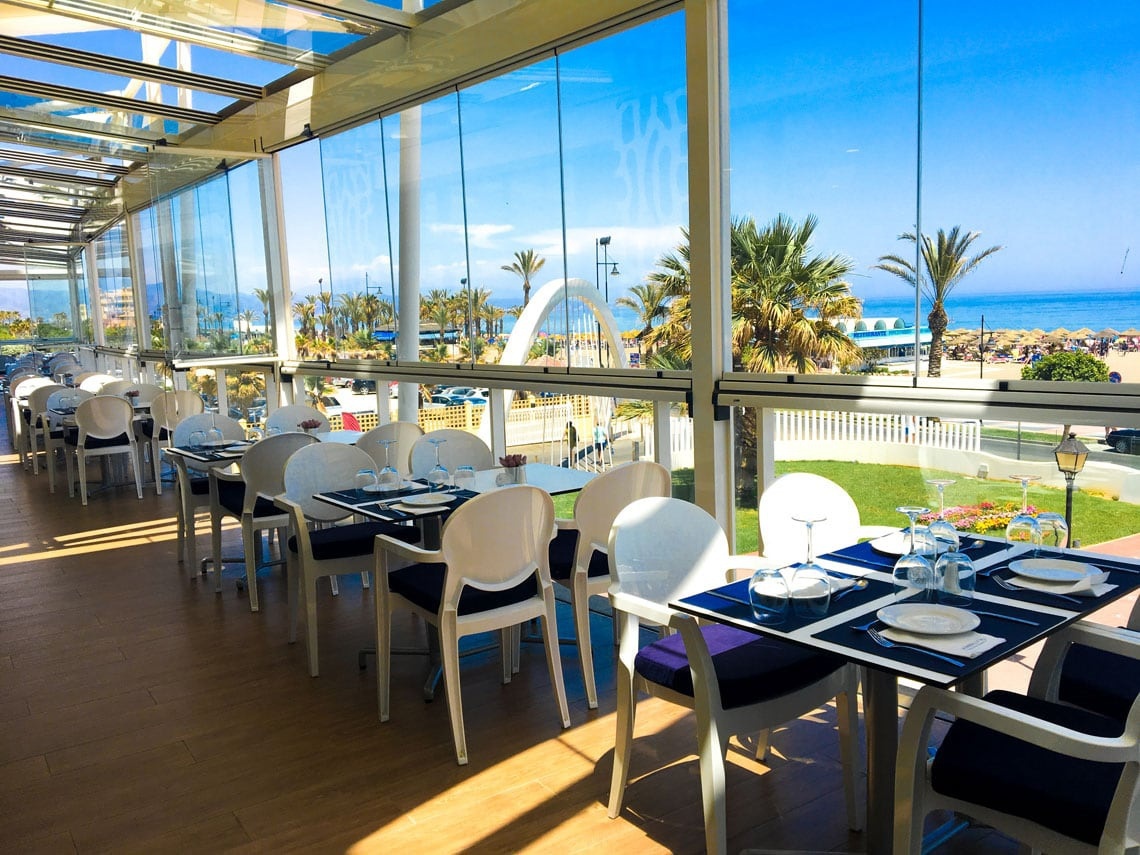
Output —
(928, 618)
(427, 500)
(895, 543)
(376, 488)
(1052, 569)
(219, 443)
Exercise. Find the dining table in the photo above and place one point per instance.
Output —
(1013, 608)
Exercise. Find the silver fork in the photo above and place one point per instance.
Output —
(1009, 586)
(886, 642)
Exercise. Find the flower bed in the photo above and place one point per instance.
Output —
(981, 518)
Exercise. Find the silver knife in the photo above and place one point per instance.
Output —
(1009, 618)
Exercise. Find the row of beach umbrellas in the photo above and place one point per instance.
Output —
(1038, 336)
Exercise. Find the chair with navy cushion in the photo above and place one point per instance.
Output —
(491, 572)
(1056, 777)
(736, 681)
(317, 545)
(578, 551)
(105, 427)
(248, 496)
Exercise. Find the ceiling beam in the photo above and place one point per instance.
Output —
(359, 11)
(62, 162)
(22, 121)
(71, 95)
(108, 64)
(54, 177)
(39, 212)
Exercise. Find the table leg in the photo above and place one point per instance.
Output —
(881, 721)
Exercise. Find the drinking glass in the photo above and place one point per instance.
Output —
(365, 480)
(955, 579)
(1054, 530)
(389, 478)
(465, 478)
(272, 430)
(913, 571)
(1025, 481)
(197, 438)
(944, 533)
(768, 593)
(214, 434)
(438, 478)
(1023, 528)
(811, 587)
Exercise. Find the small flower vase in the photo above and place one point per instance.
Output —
(517, 474)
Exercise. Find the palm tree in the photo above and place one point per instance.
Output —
(306, 311)
(946, 265)
(435, 306)
(526, 264)
(265, 296)
(651, 304)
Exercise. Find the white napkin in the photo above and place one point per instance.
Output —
(967, 644)
(418, 509)
(838, 584)
(1093, 585)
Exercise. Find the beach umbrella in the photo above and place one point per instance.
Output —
(1131, 332)
(1107, 332)
(1083, 332)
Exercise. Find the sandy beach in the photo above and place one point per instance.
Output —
(1128, 364)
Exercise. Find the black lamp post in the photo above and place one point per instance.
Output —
(603, 263)
(1071, 455)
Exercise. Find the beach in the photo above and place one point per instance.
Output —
(1128, 364)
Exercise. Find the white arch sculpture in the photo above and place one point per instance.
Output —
(525, 331)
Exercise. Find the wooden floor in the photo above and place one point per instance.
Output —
(142, 712)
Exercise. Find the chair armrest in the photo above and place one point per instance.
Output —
(651, 612)
(414, 554)
(1045, 680)
(749, 563)
(220, 473)
(565, 525)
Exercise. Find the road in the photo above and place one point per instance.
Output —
(1044, 451)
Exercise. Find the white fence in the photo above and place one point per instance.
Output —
(827, 426)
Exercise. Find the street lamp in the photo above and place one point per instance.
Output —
(1071, 454)
(603, 263)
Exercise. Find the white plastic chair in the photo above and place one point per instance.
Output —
(95, 382)
(459, 449)
(405, 435)
(20, 417)
(55, 438)
(799, 493)
(37, 429)
(661, 549)
(495, 575)
(105, 428)
(167, 409)
(194, 484)
(248, 496)
(316, 547)
(288, 419)
(578, 552)
(1056, 777)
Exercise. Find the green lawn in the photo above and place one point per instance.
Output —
(879, 489)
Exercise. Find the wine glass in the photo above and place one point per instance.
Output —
(389, 478)
(365, 480)
(1054, 530)
(944, 532)
(1025, 482)
(811, 587)
(768, 593)
(214, 434)
(438, 478)
(1023, 528)
(197, 438)
(955, 579)
(464, 478)
(913, 570)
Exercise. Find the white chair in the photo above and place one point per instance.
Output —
(404, 435)
(194, 484)
(799, 493)
(105, 428)
(316, 546)
(37, 429)
(736, 681)
(55, 438)
(94, 382)
(491, 572)
(460, 448)
(116, 387)
(248, 496)
(147, 392)
(288, 419)
(1057, 778)
(578, 552)
(167, 409)
(19, 414)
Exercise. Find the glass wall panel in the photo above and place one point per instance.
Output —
(149, 254)
(116, 297)
(302, 197)
(50, 301)
(625, 164)
(85, 331)
(254, 317)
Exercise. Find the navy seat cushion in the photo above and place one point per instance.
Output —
(562, 550)
(1069, 795)
(1099, 680)
(199, 486)
(749, 668)
(422, 584)
(147, 426)
(231, 496)
(72, 438)
(346, 541)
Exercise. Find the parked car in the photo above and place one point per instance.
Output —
(1124, 440)
(360, 386)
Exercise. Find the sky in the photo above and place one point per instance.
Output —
(1030, 137)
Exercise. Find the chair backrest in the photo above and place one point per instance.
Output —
(24, 387)
(460, 449)
(230, 428)
(263, 465)
(798, 494)
(147, 392)
(38, 399)
(94, 383)
(319, 468)
(496, 540)
(288, 418)
(64, 397)
(116, 387)
(405, 435)
(169, 408)
(664, 548)
(600, 501)
(104, 417)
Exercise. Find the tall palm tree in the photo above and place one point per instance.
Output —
(306, 311)
(526, 264)
(435, 306)
(264, 295)
(651, 304)
(946, 264)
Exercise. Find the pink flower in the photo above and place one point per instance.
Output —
(309, 424)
